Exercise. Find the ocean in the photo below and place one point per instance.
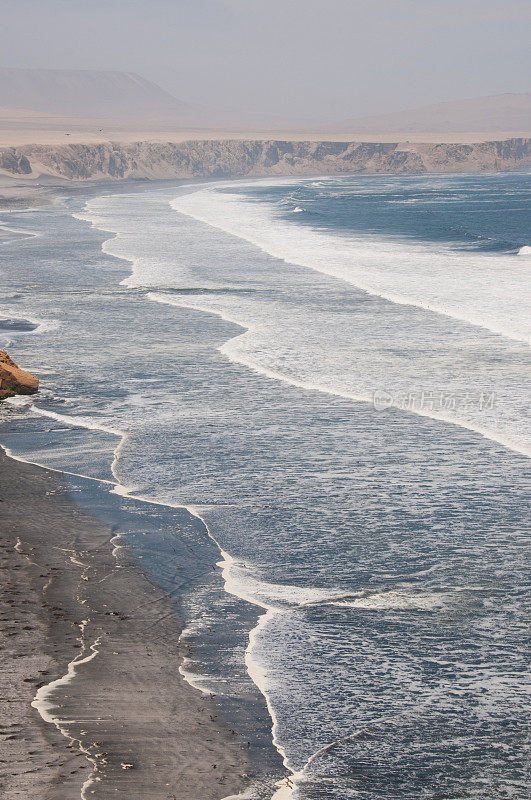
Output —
(321, 386)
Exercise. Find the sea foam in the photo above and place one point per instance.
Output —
(488, 291)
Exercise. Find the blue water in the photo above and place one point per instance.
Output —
(333, 375)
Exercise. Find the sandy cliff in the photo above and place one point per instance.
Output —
(235, 158)
(14, 380)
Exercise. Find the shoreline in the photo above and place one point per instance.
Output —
(88, 643)
(99, 627)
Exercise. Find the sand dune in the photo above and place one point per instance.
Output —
(503, 112)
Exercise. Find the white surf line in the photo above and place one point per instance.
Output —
(85, 214)
(194, 679)
(11, 454)
(71, 421)
(230, 351)
(43, 704)
(225, 564)
(254, 671)
(360, 281)
(41, 701)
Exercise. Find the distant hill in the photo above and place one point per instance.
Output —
(93, 93)
(99, 94)
(502, 112)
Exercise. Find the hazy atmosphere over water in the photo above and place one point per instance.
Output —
(303, 59)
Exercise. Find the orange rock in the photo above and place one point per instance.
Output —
(14, 380)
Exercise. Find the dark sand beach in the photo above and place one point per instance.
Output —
(126, 723)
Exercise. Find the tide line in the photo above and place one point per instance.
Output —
(226, 564)
(43, 704)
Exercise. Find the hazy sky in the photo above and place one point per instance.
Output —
(304, 58)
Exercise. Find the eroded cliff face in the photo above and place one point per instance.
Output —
(13, 162)
(239, 158)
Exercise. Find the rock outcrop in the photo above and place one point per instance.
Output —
(233, 158)
(13, 162)
(14, 380)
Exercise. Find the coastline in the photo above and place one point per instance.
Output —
(124, 720)
(31, 173)
(81, 660)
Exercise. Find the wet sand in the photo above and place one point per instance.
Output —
(125, 723)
